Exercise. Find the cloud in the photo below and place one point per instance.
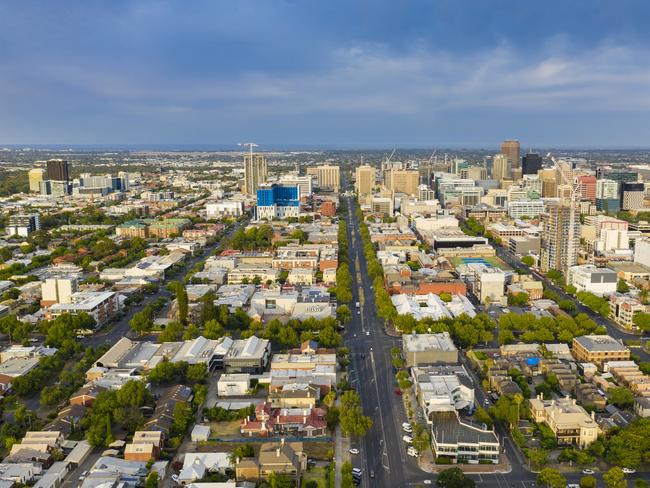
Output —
(371, 78)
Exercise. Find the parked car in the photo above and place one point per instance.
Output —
(629, 470)
(408, 439)
(588, 471)
(354, 450)
(412, 451)
(398, 391)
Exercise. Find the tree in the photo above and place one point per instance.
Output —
(587, 482)
(551, 478)
(615, 478)
(622, 397)
(277, 480)
(481, 416)
(196, 373)
(642, 320)
(528, 260)
(208, 310)
(213, 329)
(141, 323)
(343, 314)
(639, 483)
(353, 421)
(183, 417)
(191, 332)
(454, 478)
(152, 480)
(445, 297)
(622, 286)
(109, 431)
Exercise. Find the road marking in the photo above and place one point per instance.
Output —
(381, 418)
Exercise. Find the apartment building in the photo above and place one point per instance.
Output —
(598, 349)
(570, 422)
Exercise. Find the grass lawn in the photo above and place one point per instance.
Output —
(319, 450)
(315, 474)
(224, 429)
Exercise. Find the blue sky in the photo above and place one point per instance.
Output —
(302, 72)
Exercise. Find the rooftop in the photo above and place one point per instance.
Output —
(596, 343)
(428, 342)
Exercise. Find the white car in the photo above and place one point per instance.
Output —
(573, 485)
(354, 450)
(408, 439)
(412, 452)
(427, 482)
(367, 332)
(629, 470)
(357, 471)
(587, 471)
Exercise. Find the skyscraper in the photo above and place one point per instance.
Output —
(255, 172)
(500, 167)
(58, 170)
(632, 195)
(531, 163)
(329, 177)
(365, 179)
(560, 237)
(403, 181)
(36, 175)
(511, 149)
(587, 187)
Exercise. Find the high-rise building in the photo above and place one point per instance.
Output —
(305, 183)
(36, 175)
(500, 167)
(365, 179)
(560, 237)
(329, 177)
(276, 201)
(124, 180)
(23, 225)
(403, 181)
(531, 163)
(255, 172)
(587, 187)
(474, 173)
(512, 149)
(58, 170)
(632, 195)
(549, 182)
(608, 198)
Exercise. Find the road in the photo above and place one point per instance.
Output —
(371, 373)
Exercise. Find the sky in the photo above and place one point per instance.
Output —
(339, 73)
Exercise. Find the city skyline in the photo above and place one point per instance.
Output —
(335, 75)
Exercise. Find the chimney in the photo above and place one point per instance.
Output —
(593, 415)
(282, 441)
(277, 452)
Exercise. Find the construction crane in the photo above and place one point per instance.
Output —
(250, 146)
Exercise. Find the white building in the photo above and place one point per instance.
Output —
(23, 225)
(642, 251)
(58, 290)
(99, 305)
(488, 284)
(442, 388)
(587, 277)
(236, 384)
(525, 208)
(226, 208)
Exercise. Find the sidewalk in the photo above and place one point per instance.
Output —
(430, 467)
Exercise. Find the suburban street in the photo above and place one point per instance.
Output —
(121, 328)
